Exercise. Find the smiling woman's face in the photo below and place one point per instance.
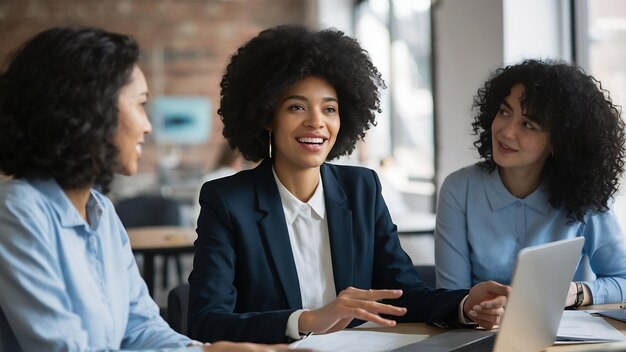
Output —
(133, 123)
(306, 123)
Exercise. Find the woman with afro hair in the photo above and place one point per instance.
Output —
(298, 245)
(552, 146)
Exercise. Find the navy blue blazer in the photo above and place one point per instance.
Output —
(244, 283)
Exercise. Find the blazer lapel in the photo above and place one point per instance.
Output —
(274, 229)
(339, 229)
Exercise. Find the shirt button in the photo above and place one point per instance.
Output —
(92, 242)
(518, 204)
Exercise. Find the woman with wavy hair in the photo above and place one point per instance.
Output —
(298, 245)
(71, 115)
(551, 144)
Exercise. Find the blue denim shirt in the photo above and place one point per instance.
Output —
(68, 285)
(481, 227)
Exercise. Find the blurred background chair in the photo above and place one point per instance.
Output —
(427, 273)
(152, 210)
(177, 307)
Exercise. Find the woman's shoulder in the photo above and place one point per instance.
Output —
(24, 201)
(237, 187)
(466, 175)
(20, 191)
(601, 218)
(349, 170)
(351, 174)
(237, 179)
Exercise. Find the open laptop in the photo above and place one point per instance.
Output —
(535, 305)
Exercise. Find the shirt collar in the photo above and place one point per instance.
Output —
(317, 201)
(67, 213)
(292, 205)
(500, 197)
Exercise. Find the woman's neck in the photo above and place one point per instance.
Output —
(302, 183)
(79, 197)
(520, 183)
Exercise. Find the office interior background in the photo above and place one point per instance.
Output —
(433, 54)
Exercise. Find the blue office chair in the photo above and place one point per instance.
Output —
(152, 210)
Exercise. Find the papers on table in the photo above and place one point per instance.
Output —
(576, 327)
(357, 340)
(580, 326)
(617, 314)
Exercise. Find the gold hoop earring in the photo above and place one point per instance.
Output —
(270, 144)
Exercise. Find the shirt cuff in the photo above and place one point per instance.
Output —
(461, 314)
(196, 343)
(292, 325)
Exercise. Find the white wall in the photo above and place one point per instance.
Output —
(468, 45)
(538, 29)
(337, 14)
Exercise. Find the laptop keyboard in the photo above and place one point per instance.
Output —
(482, 345)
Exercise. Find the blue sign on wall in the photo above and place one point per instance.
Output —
(181, 120)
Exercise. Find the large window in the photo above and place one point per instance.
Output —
(397, 34)
(601, 51)
(601, 45)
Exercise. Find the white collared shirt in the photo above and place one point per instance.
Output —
(310, 244)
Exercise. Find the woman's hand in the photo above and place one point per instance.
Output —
(485, 303)
(351, 303)
(571, 295)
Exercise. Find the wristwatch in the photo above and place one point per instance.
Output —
(580, 295)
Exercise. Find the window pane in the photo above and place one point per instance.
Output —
(411, 88)
(605, 44)
(397, 34)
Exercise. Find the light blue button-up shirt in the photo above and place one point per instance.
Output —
(481, 227)
(67, 285)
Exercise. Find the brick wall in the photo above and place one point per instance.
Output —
(186, 44)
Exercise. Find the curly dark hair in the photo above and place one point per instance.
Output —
(58, 105)
(585, 128)
(278, 57)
